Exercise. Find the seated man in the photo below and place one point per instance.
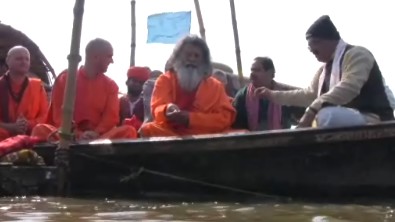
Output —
(257, 114)
(347, 91)
(96, 109)
(186, 99)
(131, 105)
(23, 101)
(148, 88)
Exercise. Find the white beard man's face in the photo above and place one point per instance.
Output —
(189, 76)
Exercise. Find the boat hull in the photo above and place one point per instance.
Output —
(344, 163)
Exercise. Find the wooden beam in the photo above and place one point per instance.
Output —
(69, 98)
(237, 43)
(200, 20)
(133, 44)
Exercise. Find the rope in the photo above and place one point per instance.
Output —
(141, 170)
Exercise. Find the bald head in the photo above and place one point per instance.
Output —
(96, 46)
(17, 49)
(99, 54)
(18, 60)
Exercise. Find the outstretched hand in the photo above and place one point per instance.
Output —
(263, 92)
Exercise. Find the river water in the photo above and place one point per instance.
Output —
(104, 210)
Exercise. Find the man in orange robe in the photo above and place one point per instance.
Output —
(96, 110)
(23, 101)
(186, 100)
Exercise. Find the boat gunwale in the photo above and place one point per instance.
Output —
(234, 141)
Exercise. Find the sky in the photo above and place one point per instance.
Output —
(274, 28)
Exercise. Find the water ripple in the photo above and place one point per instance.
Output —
(65, 209)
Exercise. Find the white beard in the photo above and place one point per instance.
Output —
(189, 78)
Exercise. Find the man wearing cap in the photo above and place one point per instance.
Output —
(131, 105)
(348, 90)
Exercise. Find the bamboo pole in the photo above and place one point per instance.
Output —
(237, 43)
(133, 45)
(65, 133)
(200, 20)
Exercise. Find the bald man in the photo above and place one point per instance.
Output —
(96, 109)
(23, 100)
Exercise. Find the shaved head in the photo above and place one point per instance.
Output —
(17, 49)
(96, 46)
(98, 55)
(18, 60)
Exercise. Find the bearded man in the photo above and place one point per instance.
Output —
(348, 90)
(186, 100)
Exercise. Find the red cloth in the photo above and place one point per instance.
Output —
(17, 143)
(134, 121)
(139, 73)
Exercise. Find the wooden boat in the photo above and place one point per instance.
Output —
(336, 163)
(308, 163)
(40, 67)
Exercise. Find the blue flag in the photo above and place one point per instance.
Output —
(168, 27)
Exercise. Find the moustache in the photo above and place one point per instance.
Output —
(189, 65)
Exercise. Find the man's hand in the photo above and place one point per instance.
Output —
(89, 135)
(306, 120)
(171, 108)
(22, 123)
(179, 117)
(263, 92)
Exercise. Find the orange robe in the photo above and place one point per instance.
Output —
(210, 110)
(96, 108)
(33, 105)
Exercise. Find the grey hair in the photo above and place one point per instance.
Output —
(195, 41)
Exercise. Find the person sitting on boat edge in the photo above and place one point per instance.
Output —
(254, 113)
(348, 90)
(148, 88)
(96, 108)
(131, 104)
(187, 100)
(23, 100)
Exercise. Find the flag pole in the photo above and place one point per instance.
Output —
(237, 43)
(133, 21)
(200, 20)
(62, 152)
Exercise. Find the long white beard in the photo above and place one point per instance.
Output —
(189, 78)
